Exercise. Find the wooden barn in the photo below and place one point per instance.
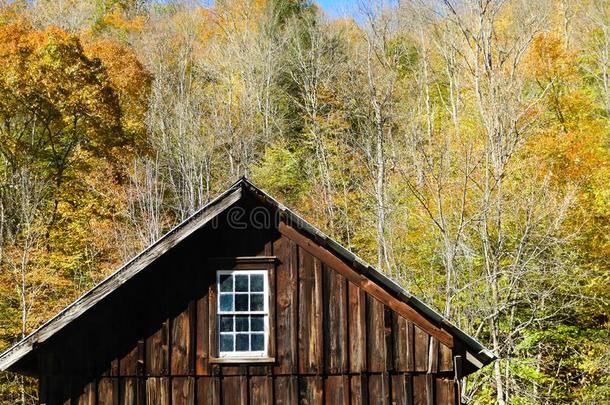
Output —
(247, 303)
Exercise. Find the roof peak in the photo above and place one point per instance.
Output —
(226, 199)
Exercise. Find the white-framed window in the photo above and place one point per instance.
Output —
(243, 313)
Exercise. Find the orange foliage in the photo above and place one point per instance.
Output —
(129, 79)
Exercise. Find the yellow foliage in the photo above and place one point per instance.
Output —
(548, 59)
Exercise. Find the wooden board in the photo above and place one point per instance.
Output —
(420, 390)
(379, 391)
(208, 391)
(105, 392)
(376, 343)
(359, 389)
(310, 314)
(286, 306)
(235, 390)
(286, 390)
(335, 322)
(157, 391)
(403, 344)
(311, 390)
(261, 390)
(181, 342)
(337, 390)
(183, 391)
(357, 329)
(128, 392)
(421, 350)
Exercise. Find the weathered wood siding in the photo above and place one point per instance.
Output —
(334, 343)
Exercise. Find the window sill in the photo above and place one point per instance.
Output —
(241, 360)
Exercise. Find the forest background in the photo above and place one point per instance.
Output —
(462, 146)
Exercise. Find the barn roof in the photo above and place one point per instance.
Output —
(476, 353)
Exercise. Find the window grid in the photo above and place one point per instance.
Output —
(243, 315)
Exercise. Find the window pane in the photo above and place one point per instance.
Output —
(226, 323)
(226, 302)
(256, 282)
(241, 324)
(258, 342)
(241, 302)
(242, 342)
(226, 283)
(242, 332)
(256, 302)
(241, 283)
(258, 323)
(226, 343)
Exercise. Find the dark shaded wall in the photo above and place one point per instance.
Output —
(149, 341)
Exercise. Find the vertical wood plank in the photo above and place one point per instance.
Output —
(183, 391)
(433, 356)
(157, 391)
(261, 390)
(272, 299)
(421, 350)
(105, 391)
(310, 391)
(444, 391)
(358, 390)
(234, 390)
(337, 390)
(388, 330)
(379, 393)
(181, 342)
(376, 344)
(202, 322)
(403, 344)
(212, 323)
(356, 316)
(420, 392)
(128, 391)
(411, 346)
(157, 351)
(409, 388)
(399, 389)
(335, 322)
(286, 306)
(445, 358)
(430, 389)
(128, 364)
(208, 391)
(310, 316)
(286, 390)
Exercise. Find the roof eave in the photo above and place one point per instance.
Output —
(10, 357)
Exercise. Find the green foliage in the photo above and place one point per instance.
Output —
(280, 172)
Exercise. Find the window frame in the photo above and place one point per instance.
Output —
(265, 313)
(237, 264)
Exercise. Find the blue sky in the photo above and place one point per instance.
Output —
(338, 8)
